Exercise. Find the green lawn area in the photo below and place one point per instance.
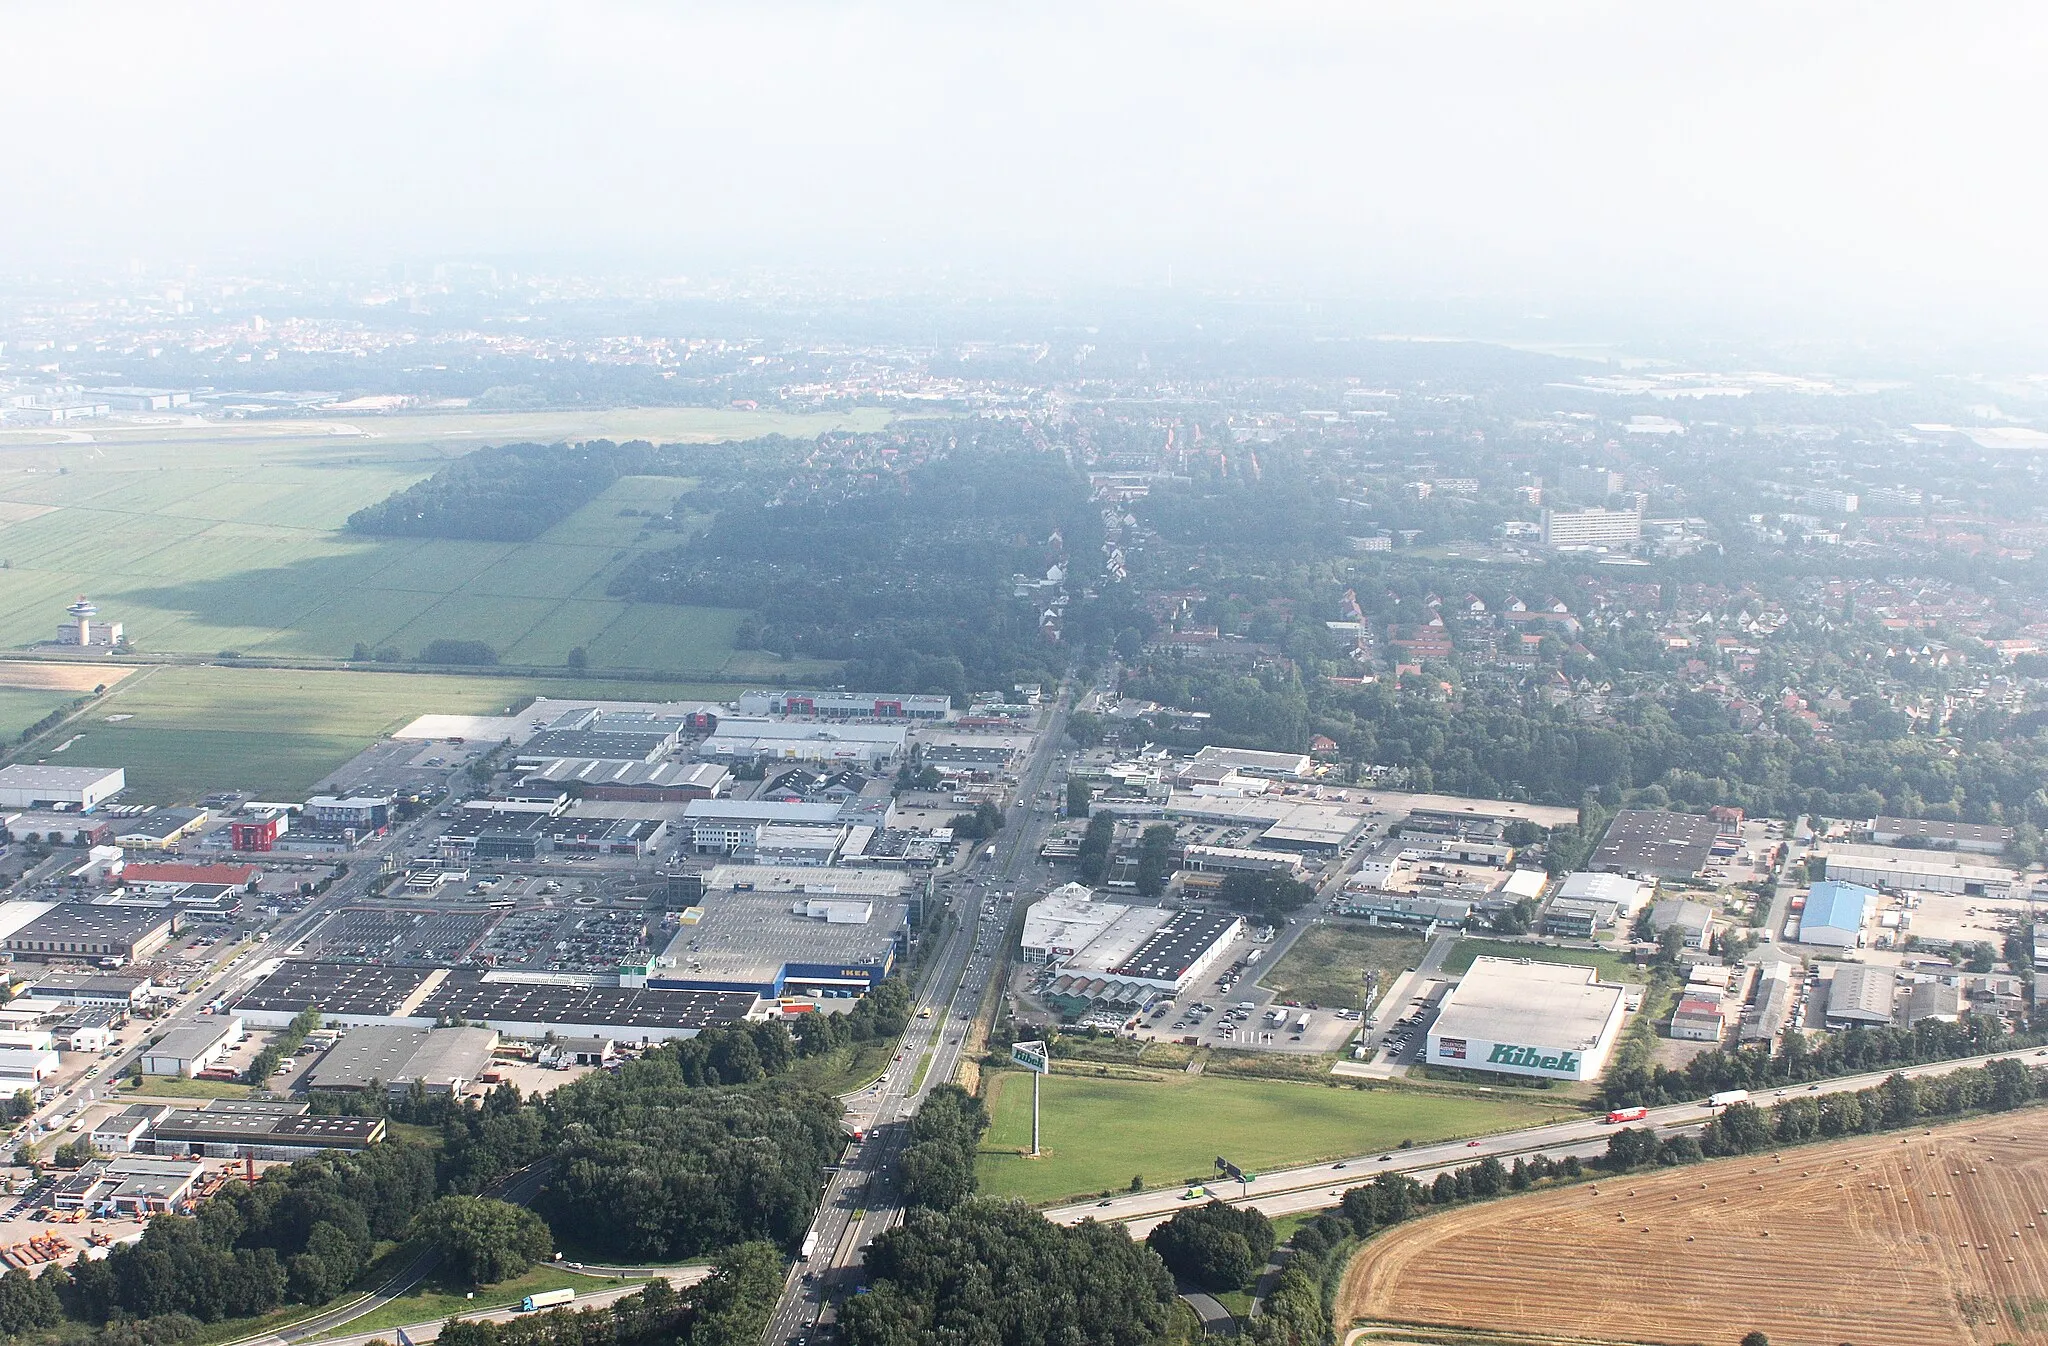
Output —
(193, 729)
(433, 1300)
(1097, 1133)
(21, 707)
(176, 1086)
(200, 539)
(1327, 964)
(1612, 967)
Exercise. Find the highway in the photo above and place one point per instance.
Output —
(1319, 1186)
(860, 1199)
(427, 1331)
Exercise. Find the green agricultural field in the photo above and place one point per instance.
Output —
(190, 730)
(1327, 964)
(1098, 1133)
(206, 537)
(21, 707)
(1612, 966)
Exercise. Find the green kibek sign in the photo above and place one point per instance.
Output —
(1532, 1058)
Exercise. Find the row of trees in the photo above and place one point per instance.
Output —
(1217, 1246)
(302, 1234)
(1096, 844)
(1000, 1274)
(731, 1307)
(937, 1167)
(1633, 1083)
(512, 492)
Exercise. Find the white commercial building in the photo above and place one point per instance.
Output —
(1548, 1020)
(187, 1051)
(1117, 954)
(78, 787)
(1592, 528)
(1919, 871)
(744, 740)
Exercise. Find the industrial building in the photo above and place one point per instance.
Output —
(60, 829)
(1586, 904)
(129, 1185)
(91, 930)
(1835, 913)
(583, 745)
(188, 1050)
(257, 1129)
(726, 826)
(357, 995)
(70, 787)
(438, 1060)
(869, 746)
(1113, 953)
(1980, 838)
(157, 829)
(1548, 1020)
(1248, 762)
(640, 782)
(1653, 843)
(847, 705)
(1770, 1007)
(27, 1058)
(1697, 1019)
(363, 813)
(117, 990)
(1284, 823)
(1861, 995)
(774, 930)
(1241, 859)
(1919, 871)
(1379, 907)
(1693, 921)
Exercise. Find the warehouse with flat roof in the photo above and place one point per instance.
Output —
(89, 930)
(1918, 871)
(1510, 1016)
(1655, 843)
(775, 930)
(438, 1060)
(76, 787)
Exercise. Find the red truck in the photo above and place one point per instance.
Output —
(1620, 1115)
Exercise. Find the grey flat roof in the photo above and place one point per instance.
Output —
(335, 988)
(20, 777)
(466, 995)
(1654, 841)
(1545, 1004)
(86, 921)
(1173, 947)
(749, 937)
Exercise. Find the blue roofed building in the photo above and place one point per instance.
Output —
(1835, 913)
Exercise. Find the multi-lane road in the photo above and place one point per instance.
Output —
(1319, 1186)
(861, 1199)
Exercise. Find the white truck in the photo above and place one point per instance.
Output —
(1727, 1096)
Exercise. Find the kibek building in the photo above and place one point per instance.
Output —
(1547, 1020)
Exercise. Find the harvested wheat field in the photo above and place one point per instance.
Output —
(1923, 1238)
(60, 677)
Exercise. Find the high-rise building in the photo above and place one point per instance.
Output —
(1592, 527)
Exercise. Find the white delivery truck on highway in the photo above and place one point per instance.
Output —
(546, 1299)
(1727, 1096)
(810, 1246)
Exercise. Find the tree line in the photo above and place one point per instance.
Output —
(1856, 1051)
(514, 492)
(730, 1307)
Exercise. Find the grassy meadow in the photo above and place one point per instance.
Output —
(202, 538)
(1099, 1133)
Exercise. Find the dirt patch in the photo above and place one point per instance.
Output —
(1932, 1237)
(59, 677)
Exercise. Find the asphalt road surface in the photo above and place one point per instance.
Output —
(861, 1199)
(1320, 1186)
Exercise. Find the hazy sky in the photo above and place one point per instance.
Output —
(1662, 149)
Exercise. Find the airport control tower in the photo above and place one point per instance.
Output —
(83, 631)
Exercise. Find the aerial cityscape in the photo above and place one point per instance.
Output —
(1069, 678)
